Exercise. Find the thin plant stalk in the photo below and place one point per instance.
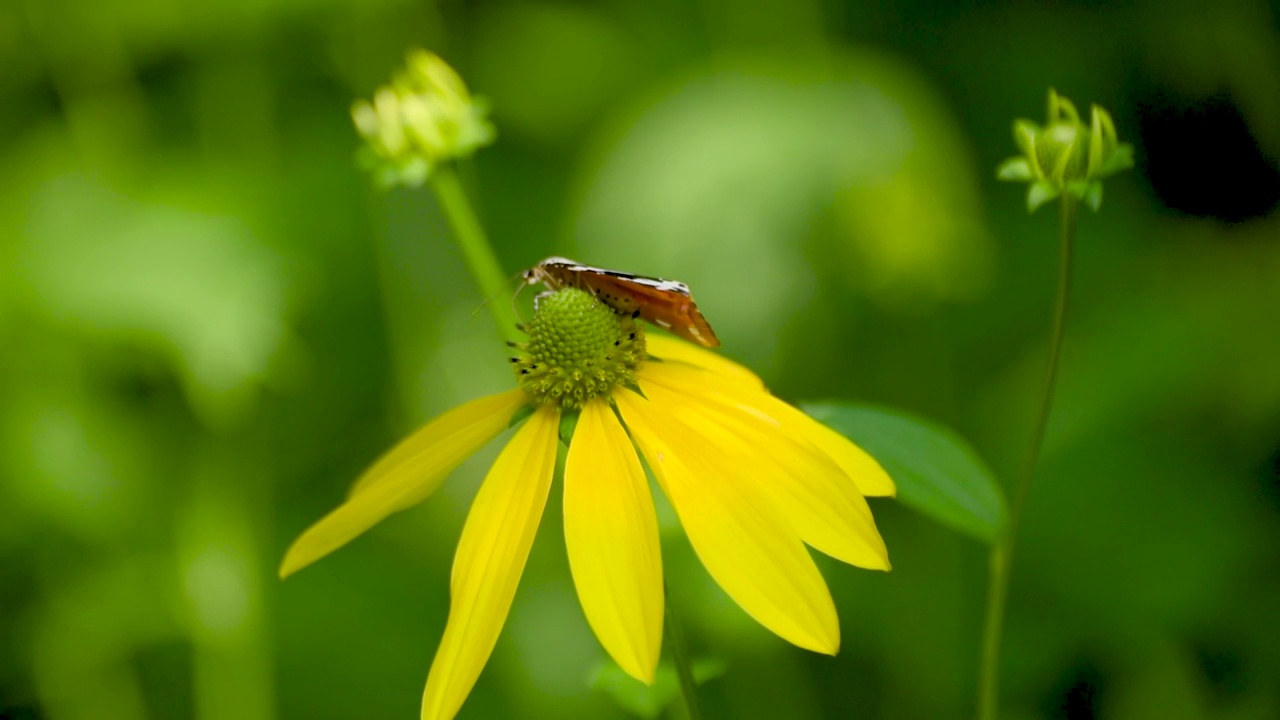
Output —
(476, 250)
(1000, 560)
(680, 654)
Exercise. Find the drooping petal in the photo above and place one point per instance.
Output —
(490, 558)
(433, 444)
(611, 531)
(870, 479)
(804, 483)
(669, 348)
(745, 543)
(406, 475)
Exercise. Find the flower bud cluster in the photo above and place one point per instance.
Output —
(425, 117)
(1065, 155)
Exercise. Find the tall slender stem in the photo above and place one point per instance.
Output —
(992, 630)
(477, 251)
(1000, 560)
(680, 653)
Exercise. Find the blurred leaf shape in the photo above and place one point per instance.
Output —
(85, 639)
(529, 61)
(69, 461)
(937, 472)
(759, 159)
(195, 286)
(649, 701)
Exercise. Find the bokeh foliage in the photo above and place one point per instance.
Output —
(210, 322)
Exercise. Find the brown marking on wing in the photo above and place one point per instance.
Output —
(669, 309)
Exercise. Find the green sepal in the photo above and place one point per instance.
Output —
(1015, 169)
(1060, 106)
(1040, 193)
(568, 423)
(414, 172)
(1093, 196)
(1066, 153)
(1120, 159)
(521, 413)
(1104, 125)
(1024, 134)
(1096, 143)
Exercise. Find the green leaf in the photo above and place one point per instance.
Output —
(649, 701)
(937, 472)
(1015, 169)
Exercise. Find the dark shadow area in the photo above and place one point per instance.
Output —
(1201, 158)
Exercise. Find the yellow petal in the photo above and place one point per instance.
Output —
(406, 475)
(611, 532)
(438, 441)
(816, 496)
(866, 473)
(668, 348)
(871, 479)
(491, 555)
(747, 546)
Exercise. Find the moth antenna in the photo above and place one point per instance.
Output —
(476, 310)
(520, 277)
(516, 296)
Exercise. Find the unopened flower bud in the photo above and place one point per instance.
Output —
(425, 117)
(1065, 155)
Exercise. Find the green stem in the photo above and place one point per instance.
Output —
(680, 653)
(992, 628)
(1000, 561)
(481, 261)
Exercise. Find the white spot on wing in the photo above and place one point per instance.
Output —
(663, 285)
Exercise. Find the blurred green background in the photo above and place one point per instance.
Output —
(210, 323)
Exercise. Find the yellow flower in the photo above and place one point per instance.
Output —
(752, 479)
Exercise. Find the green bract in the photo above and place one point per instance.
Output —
(579, 348)
(1065, 155)
(424, 117)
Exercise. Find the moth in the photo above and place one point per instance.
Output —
(665, 303)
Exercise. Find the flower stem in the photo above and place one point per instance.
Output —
(481, 261)
(1000, 560)
(680, 653)
(992, 628)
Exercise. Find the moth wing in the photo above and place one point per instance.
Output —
(672, 310)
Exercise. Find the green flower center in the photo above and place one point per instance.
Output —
(579, 348)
